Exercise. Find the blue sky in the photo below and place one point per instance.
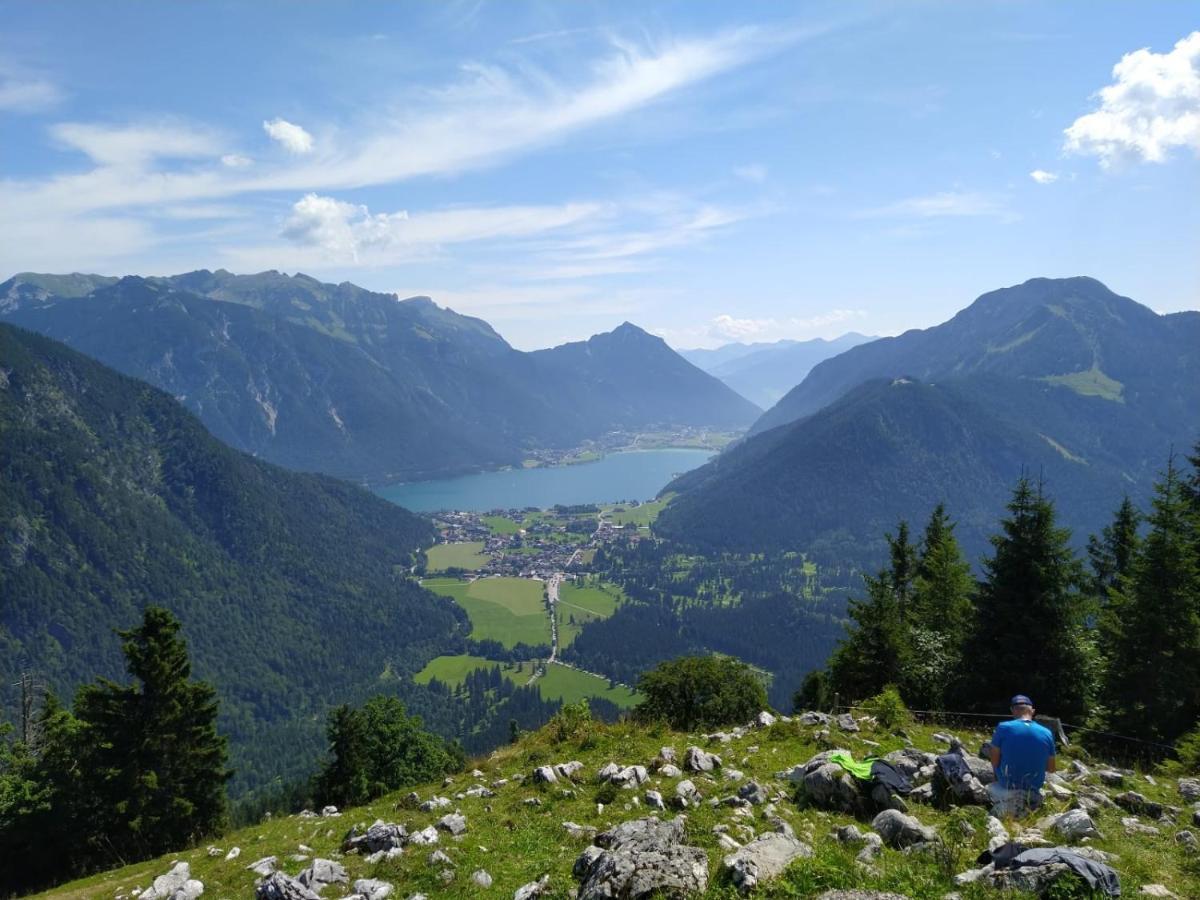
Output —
(710, 171)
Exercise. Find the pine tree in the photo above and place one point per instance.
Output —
(875, 650)
(155, 767)
(1112, 553)
(1152, 686)
(1029, 634)
(940, 616)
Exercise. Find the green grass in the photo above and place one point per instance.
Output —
(501, 524)
(585, 604)
(453, 670)
(637, 515)
(570, 686)
(468, 555)
(1092, 383)
(508, 610)
(516, 843)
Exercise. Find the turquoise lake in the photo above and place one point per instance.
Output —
(633, 475)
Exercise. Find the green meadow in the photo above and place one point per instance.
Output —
(468, 555)
(508, 610)
(453, 670)
(570, 686)
(583, 603)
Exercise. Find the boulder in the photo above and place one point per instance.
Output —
(1187, 840)
(481, 878)
(280, 886)
(812, 717)
(697, 760)
(425, 837)
(654, 800)
(630, 776)
(380, 836)
(1133, 826)
(568, 770)
(1073, 825)
(829, 786)
(177, 884)
(846, 722)
(1138, 804)
(1189, 789)
(900, 831)
(1111, 777)
(372, 888)
(434, 803)
(544, 775)
(686, 795)
(763, 859)
(322, 872)
(533, 890)
(670, 770)
(1034, 880)
(440, 858)
(234, 853)
(872, 848)
(754, 793)
(265, 866)
(329, 812)
(643, 858)
(764, 720)
(1155, 890)
(607, 771)
(454, 823)
(667, 754)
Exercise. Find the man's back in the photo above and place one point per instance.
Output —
(1025, 748)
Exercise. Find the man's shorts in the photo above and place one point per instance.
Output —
(1012, 802)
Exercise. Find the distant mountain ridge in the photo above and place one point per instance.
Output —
(763, 373)
(1058, 378)
(358, 384)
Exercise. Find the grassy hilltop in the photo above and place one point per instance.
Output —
(516, 842)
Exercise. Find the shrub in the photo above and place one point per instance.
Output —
(573, 720)
(700, 692)
(1188, 750)
(888, 709)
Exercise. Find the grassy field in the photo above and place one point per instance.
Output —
(517, 843)
(508, 610)
(570, 686)
(501, 524)
(453, 670)
(583, 604)
(469, 556)
(638, 515)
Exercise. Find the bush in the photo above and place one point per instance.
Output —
(573, 720)
(701, 692)
(888, 709)
(1187, 748)
(815, 692)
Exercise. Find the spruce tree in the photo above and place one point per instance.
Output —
(1152, 686)
(1113, 552)
(875, 649)
(940, 616)
(155, 766)
(1029, 634)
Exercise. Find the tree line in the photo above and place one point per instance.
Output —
(1110, 642)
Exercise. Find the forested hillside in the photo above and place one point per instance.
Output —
(113, 497)
(337, 379)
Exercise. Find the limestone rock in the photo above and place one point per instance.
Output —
(1138, 804)
(545, 774)
(1189, 789)
(440, 858)
(829, 786)
(481, 878)
(234, 853)
(1111, 777)
(568, 770)
(533, 890)
(1133, 826)
(1031, 879)
(697, 760)
(329, 812)
(372, 888)
(280, 886)
(753, 792)
(642, 857)
(380, 836)
(872, 848)
(425, 837)
(264, 867)
(607, 771)
(454, 823)
(813, 718)
(322, 872)
(654, 800)
(177, 884)
(579, 832)
(687, 795)
(1154, 890)
(900, 831)
(846, 722)
(764, 720)
(763, 859)
(1074, 825)
(670, 770)
(434, 803)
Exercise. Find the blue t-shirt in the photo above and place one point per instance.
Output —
(1025, 747)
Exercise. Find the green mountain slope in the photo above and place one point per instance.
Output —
(113, 497)
(338, 379)
(1071, 332)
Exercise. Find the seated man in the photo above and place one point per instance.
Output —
(1022, 753)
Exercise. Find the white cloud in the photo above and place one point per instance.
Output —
(756, 173)
(1041, 176)
(134, 146)
(726, 328)
(293, 138)
(27, 95)
(941, 205)
(235, 161)
(352, 233)
(735, 329)
(1151, 108)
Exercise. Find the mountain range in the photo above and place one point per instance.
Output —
(1060, 379)
(341, 380)
(764, 372)
(113, 496)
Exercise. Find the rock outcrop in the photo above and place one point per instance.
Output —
(641, 857)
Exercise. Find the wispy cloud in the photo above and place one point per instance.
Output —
(726, 328)
(1041, 176)
(22, 91)
(1151, 108)
(290, 136)
(944, 204)
(755, 173)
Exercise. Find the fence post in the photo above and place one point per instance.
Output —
(837, 698)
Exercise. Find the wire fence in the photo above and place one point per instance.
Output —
(1121, 747)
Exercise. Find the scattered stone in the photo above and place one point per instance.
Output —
(440, 858)
(481, 878)
(900, 831)
(940, 737)
(872, 848)
(1133, 826)
(630, 777)
(329, 812)
(829, 786)
(655, 800)
(1138, 805)
(670, 770)
(667, 754)
(607, 771)
(997, 833)
(233, 853)
(177, 884)
(568, 770)
(1031, 879)
(532, 801)
(426, 837)
(280, 886)
(1189, 789)
(1187, 840)
(372, 888)
(478, 791)
(322, 872)
(262, 867)
(697, 760)
(544, 774)
(380, 836)
(454, 823)
(726, 843)
(533, 890)
(813, 718)
(753, 792)
(846, 722)
(1154, 890)
(1111, 777)
(764, 720)
(849, 834)
(763, 859)
(639, 858)
(1074, 825)
(579, 831)
(215, 852)
(921, 794)
(686, 794)
(434, 803)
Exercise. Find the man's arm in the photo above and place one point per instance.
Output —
(1052, 764)
(994, 752)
